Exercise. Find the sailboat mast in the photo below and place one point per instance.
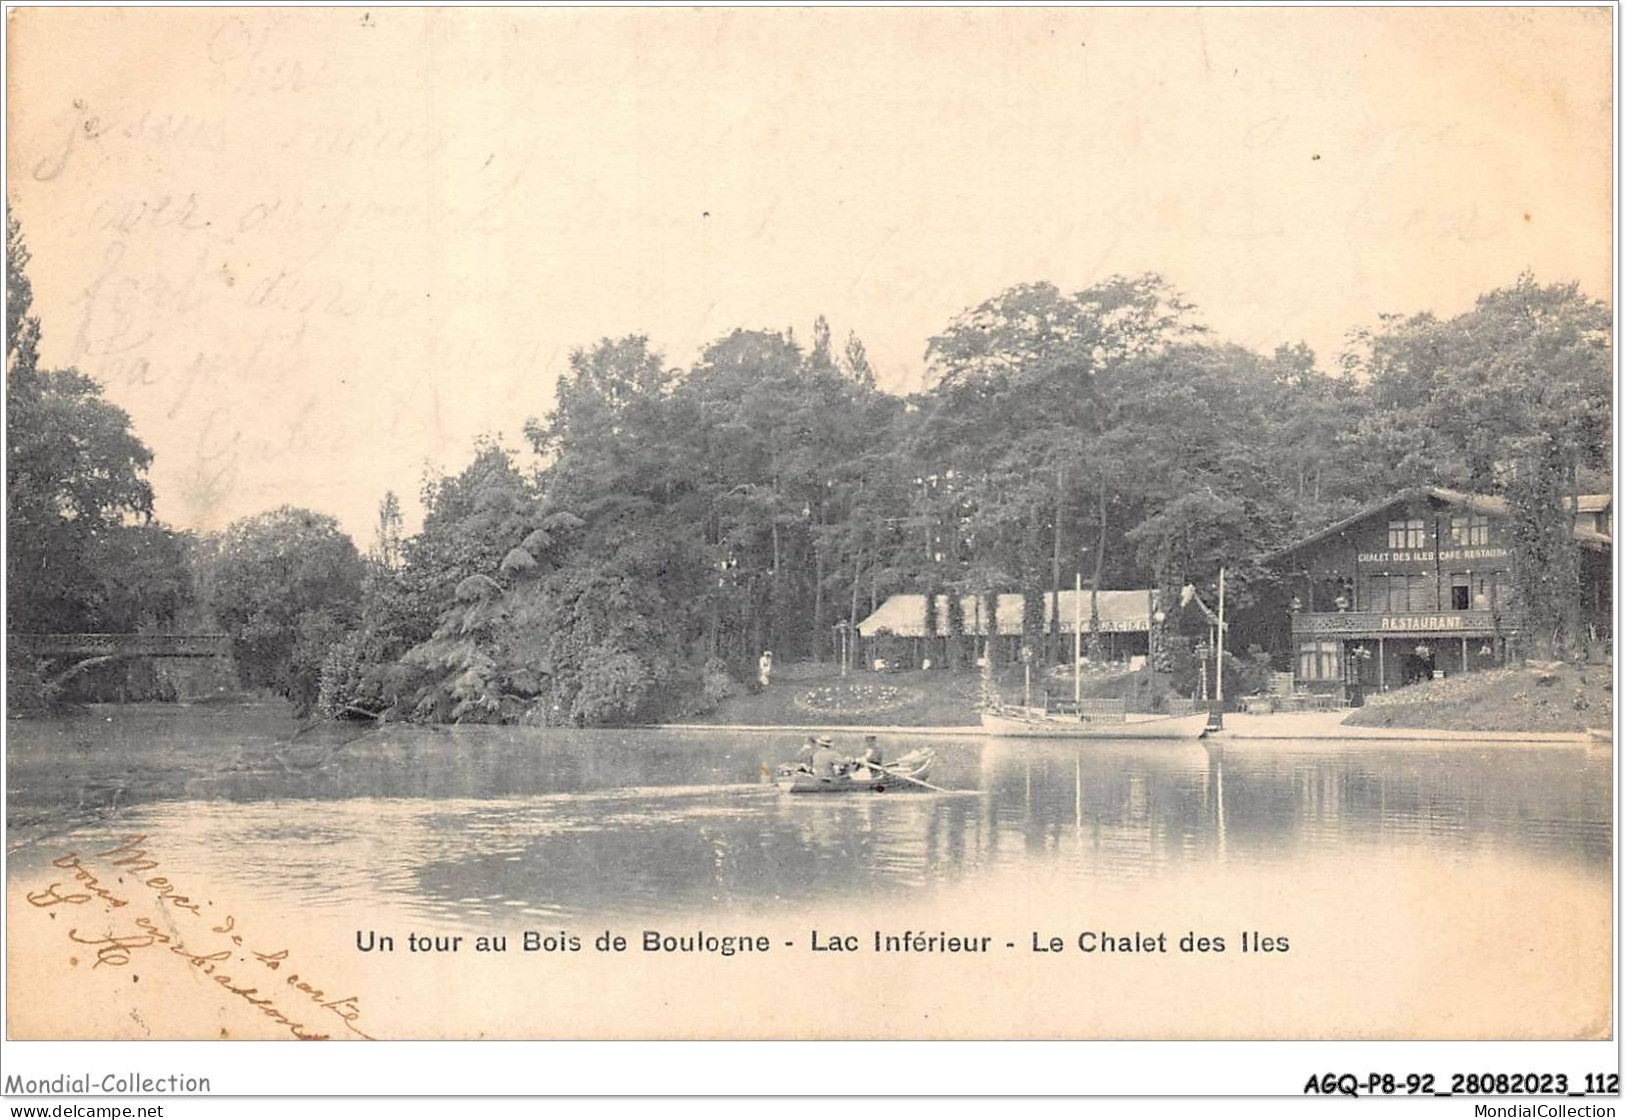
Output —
(1077, 638)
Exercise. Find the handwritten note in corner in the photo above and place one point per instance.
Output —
(123, 909)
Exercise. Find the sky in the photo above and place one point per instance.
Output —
(315, 253)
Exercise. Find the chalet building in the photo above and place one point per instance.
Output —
(1417, 586)
(1125, 622)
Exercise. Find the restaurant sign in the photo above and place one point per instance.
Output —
(1413, 622)
(1375, 624)
(1428, 555)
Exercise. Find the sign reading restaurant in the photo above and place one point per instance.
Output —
(1358, 625)
(1403, 555)
(1422, 622)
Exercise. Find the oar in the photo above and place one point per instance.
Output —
(904, 777)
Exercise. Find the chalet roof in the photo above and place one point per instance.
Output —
(1488, 504)
(1595, 503)
(904, 615)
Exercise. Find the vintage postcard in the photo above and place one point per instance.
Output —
(810, 524)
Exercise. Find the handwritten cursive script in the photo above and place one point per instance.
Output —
(218, 950)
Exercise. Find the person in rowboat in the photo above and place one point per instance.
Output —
(867, 764)
(827, 762)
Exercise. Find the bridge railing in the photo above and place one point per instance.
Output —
(121, 645)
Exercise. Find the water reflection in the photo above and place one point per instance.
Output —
(459, 825)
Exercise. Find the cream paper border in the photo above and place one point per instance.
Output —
(214, 465)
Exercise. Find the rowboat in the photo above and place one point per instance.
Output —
(1027, 723)
(861, 778)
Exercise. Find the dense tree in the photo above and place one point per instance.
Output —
(386, 549)
(22, 325)
(287, 587)
(1513, 397)
(78, 546)
(680, 521)
(1457, 401)
(684, 520)
(614, 622)
(488, 523)
(1028, 391)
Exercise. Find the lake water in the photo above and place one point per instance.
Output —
(471, 829)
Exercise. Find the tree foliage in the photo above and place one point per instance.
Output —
(81, 553)
(677, 522)
(1513, 398)
(287, 587)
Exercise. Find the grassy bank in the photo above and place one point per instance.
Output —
(818, 694)
(1571, 698)
(1513, 699)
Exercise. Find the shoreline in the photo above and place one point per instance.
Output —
(1239, 727)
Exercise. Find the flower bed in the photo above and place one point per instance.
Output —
(855, 698)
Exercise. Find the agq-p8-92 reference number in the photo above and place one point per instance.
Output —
(1464, 1084)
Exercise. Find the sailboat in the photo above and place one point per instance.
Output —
(1033, 723)
(1113, 723)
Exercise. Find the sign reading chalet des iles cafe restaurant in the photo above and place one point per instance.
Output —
(1429, 556)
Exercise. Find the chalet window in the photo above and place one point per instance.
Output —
(1374, 595)
(1409, 533)
(1399, 592)
(1461, 592)
(1469, 530)
(1421, 589)
(1319, 661)
(1377, 597)
(1379, 593)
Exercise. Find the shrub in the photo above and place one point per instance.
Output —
(717, 684)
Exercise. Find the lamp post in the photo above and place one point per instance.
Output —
(843, 631)
(1027, 671)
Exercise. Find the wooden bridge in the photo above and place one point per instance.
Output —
(120, 645)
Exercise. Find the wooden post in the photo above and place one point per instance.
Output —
(1382, 671)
